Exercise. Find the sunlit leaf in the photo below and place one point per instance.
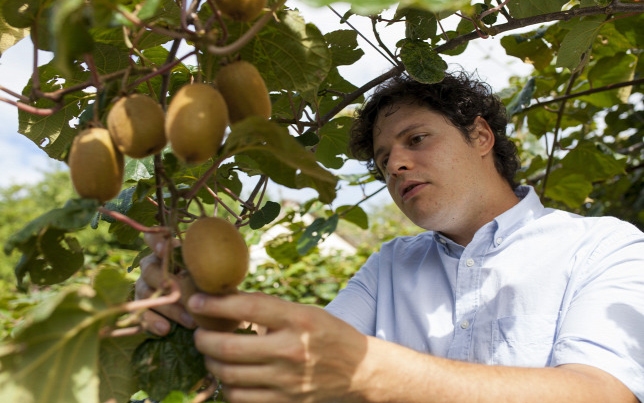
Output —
(569, 188)
(55, 351)
(354, 214)
(529, 8)
(279, 155)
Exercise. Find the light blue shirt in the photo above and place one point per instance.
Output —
(536, 287)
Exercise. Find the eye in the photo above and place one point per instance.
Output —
(417, 138)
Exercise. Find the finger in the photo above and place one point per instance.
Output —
(247, 376)
(254, 395)
(151, 272)
(155, 323)
(158, 241)
(259, 308)
(176, 312)
(243, 349)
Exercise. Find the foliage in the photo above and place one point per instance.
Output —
(578, 120)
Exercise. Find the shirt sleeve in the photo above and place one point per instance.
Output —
(356, 303)
(604, 325)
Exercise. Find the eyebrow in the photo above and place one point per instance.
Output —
(400, 134)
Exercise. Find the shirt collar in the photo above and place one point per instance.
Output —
(528, 209)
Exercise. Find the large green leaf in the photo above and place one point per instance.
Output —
(570, 188)
(54, 133)
(69, 28)
(53, 356)
(578, 41)
(290, 54)
(10, 34)
(588, 160)
(48, 255)
(422, 62)
(170, 363)
(607, 71)
(280, 156)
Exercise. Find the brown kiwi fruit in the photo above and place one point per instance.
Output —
(188, 287)
(196, 122)
(241, 10)
(136, 123)
(244, 90)
(95, 165)
(215, 254)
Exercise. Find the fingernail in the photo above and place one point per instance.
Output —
(196, 302)
(162, 327)
(187, 320)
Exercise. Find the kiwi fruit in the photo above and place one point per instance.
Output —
(95, 165)
(215, 255)
(136, 124)
(196, 121)
(244, 90)
(188, 287)
(241, 10)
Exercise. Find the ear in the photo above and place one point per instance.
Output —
(482, 136)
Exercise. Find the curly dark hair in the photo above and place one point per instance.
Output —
(458, 97)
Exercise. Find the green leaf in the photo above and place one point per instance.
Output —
(280, 156)
(54, 355)
(334, 140)
(316, 232)
(529, 8)
(589, 161)
(20, 13)
(607, 71)
(569, 188)
(529, 47)
(76, 214)
(522, 98)
(117, 379)
(69, 26)
(265, 215)
(419, 24)
(139, 169)
(354, 214)
(169, 363)
(344, 47)
(54, 133)
(290, 54)
(578, 41)
(422, 63)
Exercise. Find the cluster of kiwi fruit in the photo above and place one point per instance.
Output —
(194, 123)
(214, 251)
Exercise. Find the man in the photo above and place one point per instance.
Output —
(501, 300)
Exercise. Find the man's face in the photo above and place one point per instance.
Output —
(429, 168)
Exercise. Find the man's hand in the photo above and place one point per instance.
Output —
(150, 280)
(307, 355)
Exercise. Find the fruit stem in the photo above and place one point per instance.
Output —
(132, 223)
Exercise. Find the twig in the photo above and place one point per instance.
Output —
(246, 37)
(555, 139)
(133, 223)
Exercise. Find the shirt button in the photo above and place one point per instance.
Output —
(441, 240)
(499, 240)
(465, 324)
(469, 262)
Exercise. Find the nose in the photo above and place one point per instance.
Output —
(397, 162)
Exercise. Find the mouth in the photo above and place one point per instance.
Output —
(408, 189)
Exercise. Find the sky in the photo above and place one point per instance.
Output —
(21, 161)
